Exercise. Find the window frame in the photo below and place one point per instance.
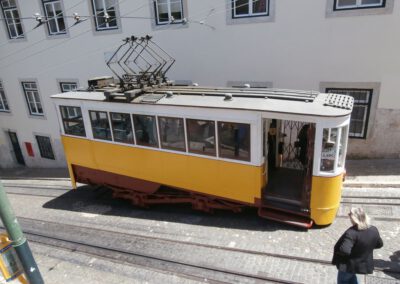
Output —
(95, 13)
(72, 119)
(32, 91)
(250, 14)
(219, 142)
(45, 153)
(69, 83)
(188, 138)
(184, 134)
(132, 128)
(138, 142)
(55, 17)
(3, 100)
(370, 93)
(11, 9)
(161, 23)
(358, 5)
(98, 118)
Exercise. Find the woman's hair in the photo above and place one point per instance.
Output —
(360, 218)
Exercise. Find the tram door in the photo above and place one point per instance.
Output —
(16, 147)
(289, 148)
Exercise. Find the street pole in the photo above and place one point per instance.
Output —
(18, 239)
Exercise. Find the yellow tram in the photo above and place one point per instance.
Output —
(281, 151)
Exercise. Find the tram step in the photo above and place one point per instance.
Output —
(285, 217)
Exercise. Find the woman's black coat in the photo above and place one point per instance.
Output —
(353, 251)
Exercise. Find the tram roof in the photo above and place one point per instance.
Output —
(250, 99)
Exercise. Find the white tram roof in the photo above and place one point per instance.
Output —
(250, 99)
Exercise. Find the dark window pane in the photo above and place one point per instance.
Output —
(242, 7)
(234, 140)
(201, 136)
(145, 130)
(100, 125)
(371, 2)
(341, 3)
(122, 127)
(52, 26)
(172, 133)
(260, 6)
(45, 149)
(72, 120)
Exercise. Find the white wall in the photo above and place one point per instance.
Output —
(299, 49)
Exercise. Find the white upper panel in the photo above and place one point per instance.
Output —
(268, 100)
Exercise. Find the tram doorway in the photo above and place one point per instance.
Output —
(288, 149)
(17, 149)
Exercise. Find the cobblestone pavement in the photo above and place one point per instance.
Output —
(88, 207)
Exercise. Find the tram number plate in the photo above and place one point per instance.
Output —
(328, 155)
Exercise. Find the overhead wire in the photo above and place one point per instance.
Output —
(212, 11)
(55, 45)
(34, 18)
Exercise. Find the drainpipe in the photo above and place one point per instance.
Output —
(18, 239)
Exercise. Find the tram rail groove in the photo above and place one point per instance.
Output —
(117, 254)
(216, 247)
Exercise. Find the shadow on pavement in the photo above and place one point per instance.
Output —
(373, 167)
(392, 267)
(98, 200)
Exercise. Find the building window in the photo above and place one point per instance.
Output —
(234, 140)
(105, 14)
(12, 19)
(249, 8)
(122, 127)
(55, 18)
(361, 110)
(72, 120)
(32, 98)
(68, 87)
(201, 136)
(145, 130)
(357, 4)
(3, 100)
(100, 125)
(172, 133)
(45, 147)
(168, 11)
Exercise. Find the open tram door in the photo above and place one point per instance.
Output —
(288, 148)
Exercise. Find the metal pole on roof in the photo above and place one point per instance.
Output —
(18, 239)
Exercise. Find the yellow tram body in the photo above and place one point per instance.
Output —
(298, 186)
(223, 179)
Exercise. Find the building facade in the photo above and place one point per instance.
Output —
(341, 46)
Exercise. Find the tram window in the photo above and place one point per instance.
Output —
(201, 136)
(145, 130)
(100, 125)
(329, 149)
(172, 133)
(343, 145)
(234, 140)
(72, 120)
(122, 127)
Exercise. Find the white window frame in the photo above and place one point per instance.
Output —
(251, 13)
(8, 14)
(159, 22)
(51, 4)
(71, 84)
(359, 5)
(4, 107)
(32, 97)
(107, 27)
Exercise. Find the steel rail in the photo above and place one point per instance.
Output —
(230, 249)
(116, 254)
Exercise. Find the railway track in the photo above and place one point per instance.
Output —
(165, 254)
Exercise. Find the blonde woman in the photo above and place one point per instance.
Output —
(353, 251)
